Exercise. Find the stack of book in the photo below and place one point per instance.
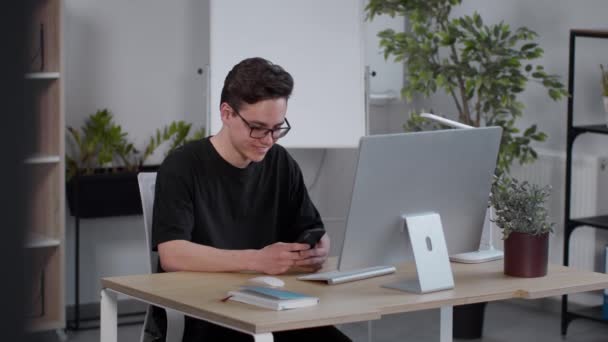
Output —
(272, 298)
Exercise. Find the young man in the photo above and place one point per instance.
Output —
(237, 201)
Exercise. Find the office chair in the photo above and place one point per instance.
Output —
(175, 320)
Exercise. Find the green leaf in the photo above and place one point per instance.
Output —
(555, 94)
(530, 130)
(478, 21)
(528, 46)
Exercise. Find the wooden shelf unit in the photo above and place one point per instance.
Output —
(45, 236)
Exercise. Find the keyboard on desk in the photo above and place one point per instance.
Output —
(338, 277)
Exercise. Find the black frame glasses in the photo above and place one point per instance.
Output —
(261, 132)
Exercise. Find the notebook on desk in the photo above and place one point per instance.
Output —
(339, 277)
(271, 298)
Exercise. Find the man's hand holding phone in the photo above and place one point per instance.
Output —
(311, 236)
(318, 252)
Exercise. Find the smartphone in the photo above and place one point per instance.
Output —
(311, 236)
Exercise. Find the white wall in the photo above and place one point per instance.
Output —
(139, 59)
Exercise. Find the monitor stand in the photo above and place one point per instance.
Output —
(486, 250)
(433, 269)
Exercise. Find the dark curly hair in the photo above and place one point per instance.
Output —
(253, 80)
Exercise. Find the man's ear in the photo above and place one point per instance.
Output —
(226, 112)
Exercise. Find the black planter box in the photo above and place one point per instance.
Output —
(105, 194)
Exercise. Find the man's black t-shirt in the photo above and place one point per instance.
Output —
(202, 198)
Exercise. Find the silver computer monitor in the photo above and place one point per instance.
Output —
(448, 172)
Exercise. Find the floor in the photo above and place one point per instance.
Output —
(504, 321)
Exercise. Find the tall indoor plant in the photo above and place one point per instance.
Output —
(481, 67)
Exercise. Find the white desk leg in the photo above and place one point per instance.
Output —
(445, 328)
(370, 332)
(109, 317)
(267, 337)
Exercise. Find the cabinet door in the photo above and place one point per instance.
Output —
(319, 42)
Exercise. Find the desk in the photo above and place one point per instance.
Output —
(198, 295)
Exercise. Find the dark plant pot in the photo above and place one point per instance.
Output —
(468, 321)
(105, 194)
(526, 255)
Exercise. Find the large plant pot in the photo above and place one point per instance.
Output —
(105, 194)
(526, 255)
(468, 321)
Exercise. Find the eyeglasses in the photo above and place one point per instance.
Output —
(257, 132)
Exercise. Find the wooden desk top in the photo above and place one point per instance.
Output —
(199, 294)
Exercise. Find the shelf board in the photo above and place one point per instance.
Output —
(592, 313)
(43, 159)
(40, 241)
(592, 33)
(595, 221)
(601, 129)
(42, 76)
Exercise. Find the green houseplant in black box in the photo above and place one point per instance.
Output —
(101, 171)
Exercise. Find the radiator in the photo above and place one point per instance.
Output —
(588, 198)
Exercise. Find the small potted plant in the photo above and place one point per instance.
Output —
(523, 218)
(605, 91)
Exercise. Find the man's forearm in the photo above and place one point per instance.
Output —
(182, 255)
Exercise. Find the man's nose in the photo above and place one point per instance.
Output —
(268, 139)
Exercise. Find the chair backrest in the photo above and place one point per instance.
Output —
(147, 182)
(175, 320)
